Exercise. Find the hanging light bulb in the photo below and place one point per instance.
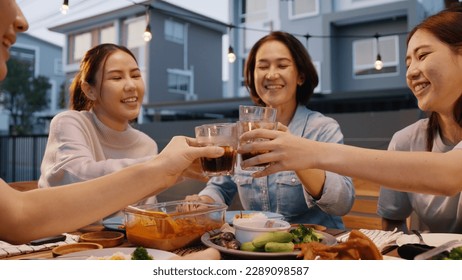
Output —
(378, 63)
(231, 55)
(65, 7)
(147, 35)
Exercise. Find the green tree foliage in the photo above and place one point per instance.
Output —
(22, 94)
(62, 103)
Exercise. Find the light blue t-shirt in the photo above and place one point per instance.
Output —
(283, 192)
(438, 213)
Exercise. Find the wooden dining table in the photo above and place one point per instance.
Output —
(198, 246)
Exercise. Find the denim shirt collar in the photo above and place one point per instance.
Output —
(299, 121)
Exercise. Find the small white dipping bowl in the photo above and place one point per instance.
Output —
(247, 229)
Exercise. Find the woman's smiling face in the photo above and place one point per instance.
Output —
(433, 72)
(276, 74)
(119, 91)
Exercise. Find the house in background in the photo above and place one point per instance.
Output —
(182, 62)
(45, 59)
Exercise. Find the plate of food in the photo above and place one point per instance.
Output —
(118, 253)
(215, 239)
(231, 215)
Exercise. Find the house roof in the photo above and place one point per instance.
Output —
(41, 16)
(97, 15)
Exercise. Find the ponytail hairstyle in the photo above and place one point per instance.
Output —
(447, 27)
(93, 60)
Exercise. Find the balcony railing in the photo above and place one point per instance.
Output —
(21, 156)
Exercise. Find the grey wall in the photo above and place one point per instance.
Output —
(374, 129)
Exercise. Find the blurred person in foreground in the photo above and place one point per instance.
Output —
(25, 216)
(421, 171)
(279, 73)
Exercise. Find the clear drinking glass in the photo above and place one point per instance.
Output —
(252, 117)
(223, 135)
(257, 113)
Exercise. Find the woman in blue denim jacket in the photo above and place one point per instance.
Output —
(279, 73)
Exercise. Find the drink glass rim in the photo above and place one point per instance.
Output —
(268, 113)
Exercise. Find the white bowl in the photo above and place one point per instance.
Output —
(247, 229)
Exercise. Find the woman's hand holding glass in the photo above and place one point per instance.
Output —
(284, 151)
(183, 153)
(222, 135)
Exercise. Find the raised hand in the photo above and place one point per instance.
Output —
(183, 153)
(283, 151)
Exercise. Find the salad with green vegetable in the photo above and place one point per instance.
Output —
(454, 254)
(141, 253)
(303, 234)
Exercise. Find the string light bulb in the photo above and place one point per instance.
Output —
(231, 55)
(147, 35)
(65, 7)
(378, 63)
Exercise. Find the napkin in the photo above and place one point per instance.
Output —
(381, 238)
(9, 250)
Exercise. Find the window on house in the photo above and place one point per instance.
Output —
(179, 81)
(133, 39)
(174, 31)
(255, 14)
(303, 8)
(365, 54)
(254, 10)
(81, 43)
(25, 55)
(107, 35)
(134, 32)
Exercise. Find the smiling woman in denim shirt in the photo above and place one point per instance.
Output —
(279, 73)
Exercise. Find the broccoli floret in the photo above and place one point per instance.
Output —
(141, 253)
(455, 254)
(303, 234)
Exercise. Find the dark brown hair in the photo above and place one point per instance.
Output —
(302, 61)
(93, 60)
(447, 27)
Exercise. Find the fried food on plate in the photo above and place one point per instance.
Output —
(357, 247)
